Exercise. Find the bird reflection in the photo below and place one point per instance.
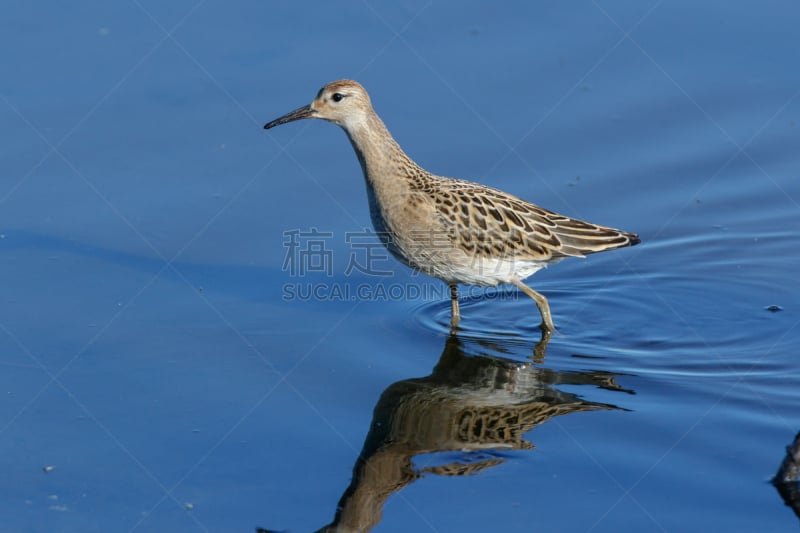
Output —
(472, 405)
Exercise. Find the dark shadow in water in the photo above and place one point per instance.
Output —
(473, 405)
(787, 480)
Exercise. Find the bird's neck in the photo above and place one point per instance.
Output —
(386, 167)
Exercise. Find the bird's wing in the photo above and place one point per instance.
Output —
(490, 222)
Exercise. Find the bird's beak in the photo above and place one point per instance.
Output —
(303, 112)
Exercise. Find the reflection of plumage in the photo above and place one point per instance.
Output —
(469, 408)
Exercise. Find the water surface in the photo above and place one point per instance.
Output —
(157, 378)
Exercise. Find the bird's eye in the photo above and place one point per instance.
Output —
(337, 97)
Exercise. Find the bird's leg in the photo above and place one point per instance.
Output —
(455, 314)
(541, 303)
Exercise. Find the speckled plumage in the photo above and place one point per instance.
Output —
(456, 230)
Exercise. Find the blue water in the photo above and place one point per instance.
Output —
(161, 370)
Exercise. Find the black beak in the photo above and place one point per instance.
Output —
(297, 114)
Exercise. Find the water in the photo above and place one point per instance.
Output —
(157, 375)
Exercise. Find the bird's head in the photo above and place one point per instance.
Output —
(343, 102)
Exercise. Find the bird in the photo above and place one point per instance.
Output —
(459, 231)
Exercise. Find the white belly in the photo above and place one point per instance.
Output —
(453, 266)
